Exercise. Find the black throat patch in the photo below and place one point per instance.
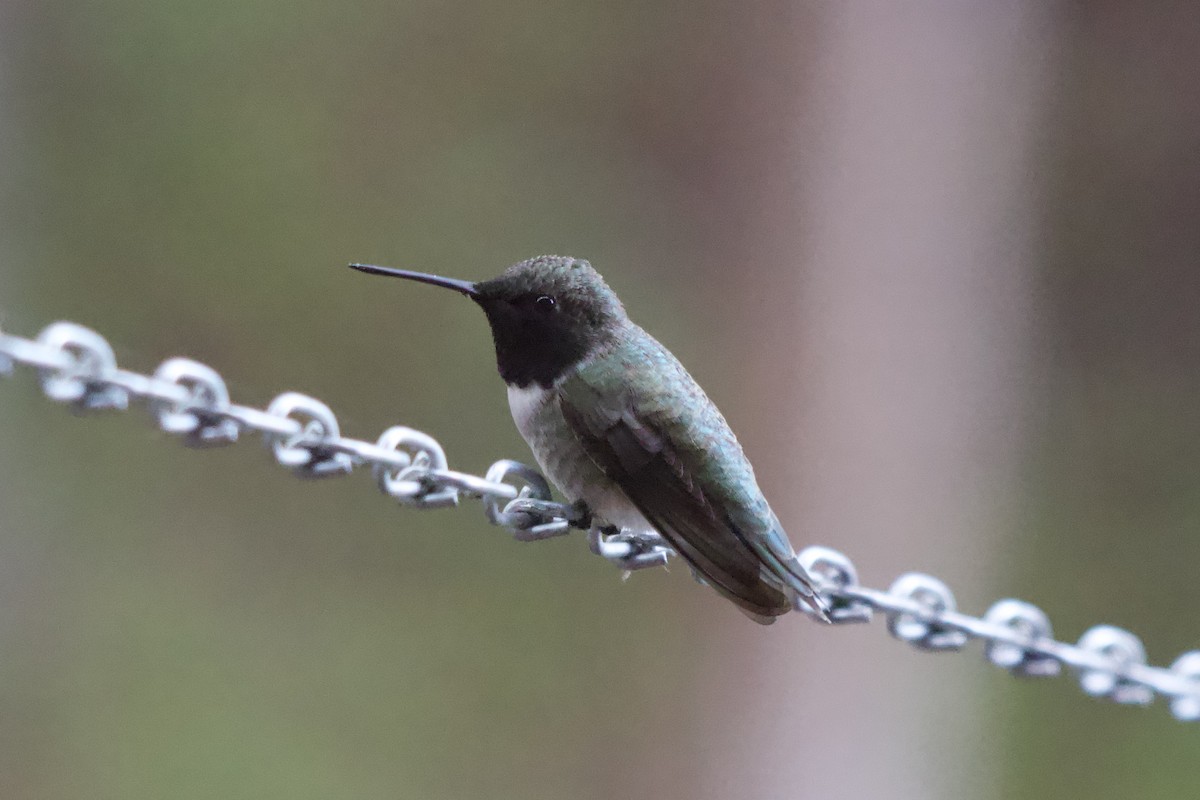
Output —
(535, 350)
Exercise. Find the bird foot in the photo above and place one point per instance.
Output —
(533, 520)
(581, 516)
(628, 550)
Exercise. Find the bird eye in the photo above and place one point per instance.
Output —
(545, 302)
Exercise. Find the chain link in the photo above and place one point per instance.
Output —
(77, 366)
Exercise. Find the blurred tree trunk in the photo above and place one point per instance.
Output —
(1116, 496)
(894, 237)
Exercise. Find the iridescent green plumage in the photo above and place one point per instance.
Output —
(650, 428)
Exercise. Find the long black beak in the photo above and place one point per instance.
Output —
(466, 287)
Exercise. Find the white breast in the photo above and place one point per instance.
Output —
(525, 403)
(564, 462)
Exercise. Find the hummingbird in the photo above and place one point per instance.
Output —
(621, 428)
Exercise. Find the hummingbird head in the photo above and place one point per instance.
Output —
(547, 314)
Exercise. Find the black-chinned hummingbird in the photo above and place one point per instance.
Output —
(617, 423)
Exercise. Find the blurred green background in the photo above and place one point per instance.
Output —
(938, 266)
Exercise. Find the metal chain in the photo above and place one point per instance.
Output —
(77, 366)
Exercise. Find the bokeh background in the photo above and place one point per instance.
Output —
(937, 264)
